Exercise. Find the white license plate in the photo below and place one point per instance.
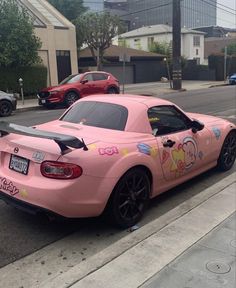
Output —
(19, 164)
(43, 101)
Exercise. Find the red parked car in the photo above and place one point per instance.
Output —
(78, 86)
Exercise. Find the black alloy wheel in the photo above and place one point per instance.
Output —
(129, 198)
(71, 98)
(228, 152)
(112, 90)
(5, 108)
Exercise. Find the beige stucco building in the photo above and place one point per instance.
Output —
(192, 42)
(58, 37)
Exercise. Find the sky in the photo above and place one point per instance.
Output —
(226, 19)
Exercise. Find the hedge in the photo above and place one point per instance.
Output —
(34, 78)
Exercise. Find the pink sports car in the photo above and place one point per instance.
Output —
(111, 154)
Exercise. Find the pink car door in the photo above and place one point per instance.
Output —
(181, 150)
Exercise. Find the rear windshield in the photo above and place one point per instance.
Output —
(98, 114)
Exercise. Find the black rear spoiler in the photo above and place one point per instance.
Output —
(63, 141)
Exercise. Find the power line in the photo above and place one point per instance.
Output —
(206, 14)
(170, 3)
(227, 7)
(135, 12)
(146, 9)
(210, 4)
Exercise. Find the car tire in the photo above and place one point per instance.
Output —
(70, 98)
(129, 198)
(112, 90)
(5, 108)
(228, 152)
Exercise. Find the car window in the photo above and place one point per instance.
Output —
(71, 79)
(167, 119)
(88, 77)
(99, 76)
(97, 114)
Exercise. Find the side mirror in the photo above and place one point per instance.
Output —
(197, 126)
(84, 81)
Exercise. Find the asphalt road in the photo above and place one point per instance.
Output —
(21, 234)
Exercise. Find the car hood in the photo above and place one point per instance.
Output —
(58, 87)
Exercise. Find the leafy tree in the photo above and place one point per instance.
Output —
(96, 30)
(18, 43)
(165, 48)
(71, 9)
(231, 49)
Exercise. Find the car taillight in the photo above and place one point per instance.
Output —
(60, 170)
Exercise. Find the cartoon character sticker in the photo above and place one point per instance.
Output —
(165, 156)
(147, 149)
(108, 151)
(200, 155)
(178, 160)
(217, 132)
(184, 156)
(190, 151)
(8, 186)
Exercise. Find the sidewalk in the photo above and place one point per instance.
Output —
(196, 249)
(153, 88)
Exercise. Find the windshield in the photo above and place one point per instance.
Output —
(97, 114)
(71, 79)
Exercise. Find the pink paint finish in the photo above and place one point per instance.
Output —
(111, 153)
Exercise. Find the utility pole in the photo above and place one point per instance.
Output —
(176, 32)
(225, 64)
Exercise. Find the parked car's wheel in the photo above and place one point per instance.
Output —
(129, 199)
(112, 90)
(228, 152)
(5, 108)
(70, 98)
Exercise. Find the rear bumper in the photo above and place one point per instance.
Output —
(85, 198)
(26, 207)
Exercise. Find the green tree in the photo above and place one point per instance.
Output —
(18, 43)
(231, 49)
(96, 30)
(71, 9)
(163, 48)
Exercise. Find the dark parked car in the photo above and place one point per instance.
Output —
(232, 79)
(78, 86)
(8, 103)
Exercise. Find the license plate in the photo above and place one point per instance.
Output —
(19, 164)
(43, 101)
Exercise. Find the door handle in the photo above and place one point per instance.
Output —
(169, 143)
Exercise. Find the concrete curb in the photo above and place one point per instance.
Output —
(31, 108)
(106, 256)
(219, 85)
(130, 90)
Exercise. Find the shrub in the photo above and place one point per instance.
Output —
(34, 78)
